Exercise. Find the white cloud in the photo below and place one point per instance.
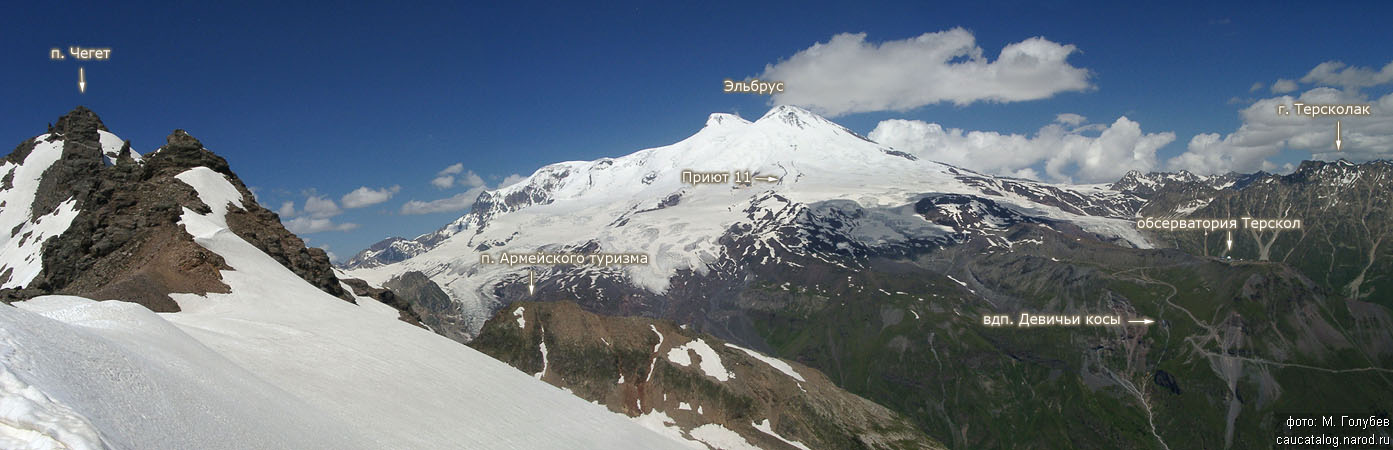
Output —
(1070, 119)
(1256, 87)
(443, 181)
(511, 180)
(1283, 86)
(309, 225)
(1264, 134)
(1336, 73)
(321, 207)
(471, 179)
(364, 196)
(848, 75)
(452, 169)
(287, 210)
(446, 178)
(1066, 154)
(457, 202)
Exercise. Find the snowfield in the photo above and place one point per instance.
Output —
(275, 363)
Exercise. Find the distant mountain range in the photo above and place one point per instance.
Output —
(877, 268)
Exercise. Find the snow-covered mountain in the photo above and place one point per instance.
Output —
(261, 345)
(388, 251)
(879, 270)
(826, 175)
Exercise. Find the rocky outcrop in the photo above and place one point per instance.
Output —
(387, 297)
(417, 295)
(125, 242)
(653, 368)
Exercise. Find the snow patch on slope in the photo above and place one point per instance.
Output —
(718, 436)
(25, 254)
(664, 424)
(654, 361)
(542, 345)
(20, 250)
(776, 363)
(111, 147)
(769, 430)
(213, 189)
(710, 361)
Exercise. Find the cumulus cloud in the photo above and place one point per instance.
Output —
(1283, 86)
(452, 169)
(455, 175)
(316, 216)
(847, 74)
(365, 196)
(1070, 119)
(448, 176)
(1081, 153)
(309, 225)
(443, 181)
(1336, 73)
(457, 202)
(320, 207)
(1265, 134)
(511, 180)
(471, 179)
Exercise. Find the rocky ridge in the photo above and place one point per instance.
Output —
(125, 241)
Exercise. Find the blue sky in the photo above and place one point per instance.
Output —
(319, 100)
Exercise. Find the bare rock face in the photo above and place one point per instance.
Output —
(125, 242)
(417, 295)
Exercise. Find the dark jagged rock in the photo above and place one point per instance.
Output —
(21, 151)
(181, 140)
(125, 241)
(80, 122)
(422, 297)
(261, 228)
(387, 297)
(182, 152)
(77, 174)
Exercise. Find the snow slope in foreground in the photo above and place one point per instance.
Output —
(275, 363)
